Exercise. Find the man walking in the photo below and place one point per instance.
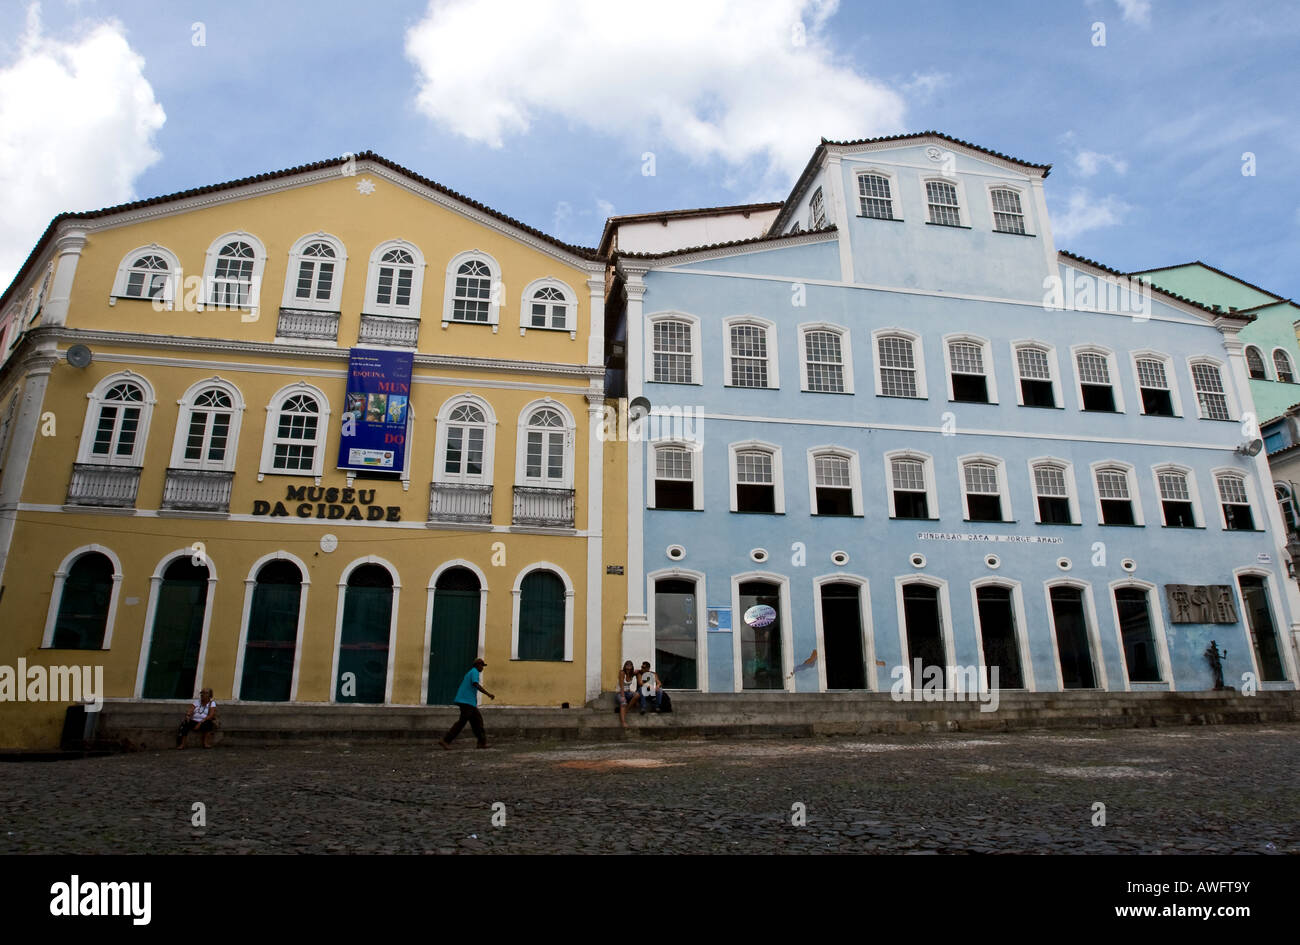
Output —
(467, 701)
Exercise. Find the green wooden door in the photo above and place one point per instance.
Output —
(363, 647)
(453, 637)
(83, 607)
(272, 633)
(541, 617)
(177, 632)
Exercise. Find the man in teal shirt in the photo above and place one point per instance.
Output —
(467, 701)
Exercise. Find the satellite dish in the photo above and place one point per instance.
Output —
(638, 408)
(79, 356)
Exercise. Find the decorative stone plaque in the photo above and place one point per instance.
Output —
(1201, 603)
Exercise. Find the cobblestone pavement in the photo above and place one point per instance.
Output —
(1191, 790)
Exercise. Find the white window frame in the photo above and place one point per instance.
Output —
(521, 446)
(986, 350)
(1155, 611)
(1053, 365)
(96, 402)
(695, 448)
(963, 205)
(371, 306)
(1170, 375)
(927, 469)
(440, 475)
(786, 616)
(334, 302)
(1264, 362)
(570, 306)
(918, 358)
(1112, 369)
(1025, 204)
(855, 476)
(340, 609)
(1071, 487)
(61, 578)
(699, 579)
(694, 322)
(516, 595)
(778, 473)
(1290, 365)
(946, 627)
(1193, 493)
(895, 197)
(1004, 491)
(1234, 411)
(1258, 512)
(1134, 495)
(1102, 683)
(186, 404)
(210, 272)
(168, 296)
(846, 355)
(1021, 631)
(769, 329)
(817, 196)
(273, 407)
(496, 292)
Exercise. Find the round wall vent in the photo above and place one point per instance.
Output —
(1129, 565)
(1064, 564)
(993, 561)
(840, 558)
(758, 554)
(675, 552)
(918, 560)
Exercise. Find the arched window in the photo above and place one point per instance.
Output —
(548, 304)
(1096, 384)
(982, 483)
(395, 280)
(677, 477)
(875, 196)
(1052, 493)
(84, 604)
(911, 486)
(756, 478)
(1282, 364)
(146, 273)
(314, 277)
(1115, 495)
(750, 353)
(543, 602)
(817, 210)
(466, 435)
(1286, 502)
(1034, 366)
(970, 370)
(207, 432)
(546, 454)
(1008, 214)
(233, 271)
(834, 475)
(470, 296)
(1255, 364)
(117, 421)
(1235, 502)
(1176, 500)
(297, 421)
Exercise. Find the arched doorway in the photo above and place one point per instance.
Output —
(272, 633)
(762, 665)
(177, 631)
(363, 642)
(846, 666)
(453, 632)
(926, 652)
(83, 606)
(541, 616)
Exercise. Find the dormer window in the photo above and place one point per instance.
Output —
(817, 210)
(1008, 215)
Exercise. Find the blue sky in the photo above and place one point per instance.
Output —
(544, 109)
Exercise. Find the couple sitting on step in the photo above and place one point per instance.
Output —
(640, 686)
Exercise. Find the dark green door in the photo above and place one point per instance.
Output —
(453, 637)
(363, 647)
(83, 608)
(272, 633)
(177, 632)
(541, 617)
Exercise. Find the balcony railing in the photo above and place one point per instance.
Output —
(107, 486)
(535, 505)
(460, 502)
(382, 330)
(197, 490)
(308, 324)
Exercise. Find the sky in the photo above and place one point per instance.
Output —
(1171, 125)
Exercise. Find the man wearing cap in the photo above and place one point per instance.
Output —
(467, 701)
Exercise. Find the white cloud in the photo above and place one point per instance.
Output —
(1085, 212)
(1136, 11)
(1089, 163)
(923, 85)
(739, 80)
(77, 121)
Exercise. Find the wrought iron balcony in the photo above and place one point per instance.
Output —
(105, 486)
(308, 324)
(535, 505)
(197, 490)
(383, 330)
(460, 502)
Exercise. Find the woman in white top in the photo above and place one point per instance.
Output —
(628, 694)
(202, 716)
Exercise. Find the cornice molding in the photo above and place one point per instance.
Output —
(926, 141)
(794, 239)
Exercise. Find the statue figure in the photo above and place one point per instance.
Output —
(1215, 659)
(1180, 601)
(1227, 612)
(1201, 603)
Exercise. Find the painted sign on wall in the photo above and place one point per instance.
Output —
(375, 410)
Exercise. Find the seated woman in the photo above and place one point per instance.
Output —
(202, 716)
(628, 694)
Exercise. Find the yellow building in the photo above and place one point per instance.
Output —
(177, 510)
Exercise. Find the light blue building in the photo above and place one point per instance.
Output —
(890, 422)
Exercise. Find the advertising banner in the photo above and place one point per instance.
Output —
(375, 409)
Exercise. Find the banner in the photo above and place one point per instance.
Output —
(375, 409)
